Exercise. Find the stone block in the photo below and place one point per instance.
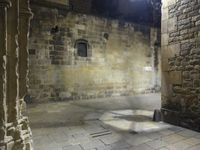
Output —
(10, 145)
(166, 87)
(195, 51)
(186, 75)
(174, 50)
(172, 24)
(171, 116)
(164, 26)
(165, 14)
(194, 62)
(165, 64)
(197, 23)
(175, 77)
(164, 39)
(196, 83)
(170, 51)
(2, 148)
(171, 2)
(185, 31)
(164, 4)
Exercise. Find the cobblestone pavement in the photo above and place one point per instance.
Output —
(104, 125)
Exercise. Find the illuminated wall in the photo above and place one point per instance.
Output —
(119, 61)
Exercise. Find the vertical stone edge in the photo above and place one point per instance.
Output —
(15, 18)
(4, 5)
(25, 134)
(25, 16)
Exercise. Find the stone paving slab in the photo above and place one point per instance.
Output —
(72, 147)
(154, 135)
(188, 133)
(196, 147)
(141, 147)
(110, 139)
(137, 139)
(156, 144)
(173, 138)
(92, 144)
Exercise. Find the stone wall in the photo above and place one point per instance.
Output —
(119, 62)
(180, 62)
(63, 2)
(81, 6)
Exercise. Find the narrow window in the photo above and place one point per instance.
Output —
(82, 48)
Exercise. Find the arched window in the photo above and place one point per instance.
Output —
(82, 48)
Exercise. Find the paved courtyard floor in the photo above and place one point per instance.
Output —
(106, 124)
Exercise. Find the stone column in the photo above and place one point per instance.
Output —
(15, 132)
(4, 4)
(24, 24)
(12, 62)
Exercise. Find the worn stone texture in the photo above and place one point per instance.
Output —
(119, 62)
(180, 54)
(15, 132)
(64, 2)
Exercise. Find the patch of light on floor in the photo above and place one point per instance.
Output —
(132, 120)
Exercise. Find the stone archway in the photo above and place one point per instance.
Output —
(15, 15)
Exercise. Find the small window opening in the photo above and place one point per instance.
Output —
(82, 48)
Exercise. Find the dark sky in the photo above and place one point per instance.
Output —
(137, 11)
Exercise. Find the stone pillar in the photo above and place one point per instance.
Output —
(24, 23)
(4, 4)
(15, 132)
(12, 62)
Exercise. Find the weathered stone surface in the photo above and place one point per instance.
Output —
(186, 75)
(195, 51)
(185, 32)
(15, 133)
(165, 39)
(118, 63)
(172, 24)
(196, 83)
(3, 50)
(176, 77)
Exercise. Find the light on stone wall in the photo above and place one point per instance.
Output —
(148, 69)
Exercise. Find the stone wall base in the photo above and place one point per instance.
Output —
(20, 136)
(185, 120)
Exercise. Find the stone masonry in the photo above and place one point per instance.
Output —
(119, 60)
(15, 132)
(180, 62)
